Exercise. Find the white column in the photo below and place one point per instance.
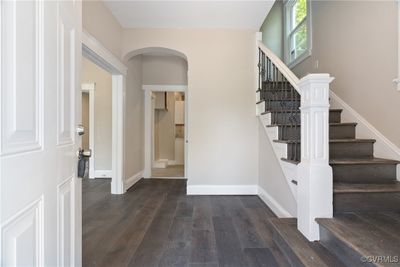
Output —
(118, 110)
(315, 184)
(397, 79)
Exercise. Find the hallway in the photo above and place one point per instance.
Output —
(156, 224)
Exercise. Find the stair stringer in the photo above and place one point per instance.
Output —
(280, 150)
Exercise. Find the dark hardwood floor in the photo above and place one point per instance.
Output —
(156, 224)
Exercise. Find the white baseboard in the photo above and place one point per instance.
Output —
(279, 211)
(168, 178)
(102, 173)
(132, 180)
(222, 189)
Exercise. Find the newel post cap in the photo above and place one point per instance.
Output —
(316, 78)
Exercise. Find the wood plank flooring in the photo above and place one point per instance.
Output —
(156, 224)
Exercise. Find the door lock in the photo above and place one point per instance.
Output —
(80, 129)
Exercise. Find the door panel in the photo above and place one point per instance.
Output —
(40, 193)
(66, 76)
(22, 76)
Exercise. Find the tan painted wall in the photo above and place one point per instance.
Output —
(272, 29)
(98, 21)
(164, 121)
(85, 120)
(91, 73)
(170, 70)
(134, 119)
(222, 134)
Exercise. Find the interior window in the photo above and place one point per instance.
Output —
(297, 25)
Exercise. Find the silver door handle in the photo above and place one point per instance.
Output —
(80, 129)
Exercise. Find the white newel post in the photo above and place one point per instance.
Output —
(315, 184)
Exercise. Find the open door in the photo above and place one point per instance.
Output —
(40, 97)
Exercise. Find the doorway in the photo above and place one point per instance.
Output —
(116, 71)
(97, 118)
(168, 134)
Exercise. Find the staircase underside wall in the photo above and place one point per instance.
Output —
(274, 189)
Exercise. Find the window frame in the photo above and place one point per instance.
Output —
(287, 21)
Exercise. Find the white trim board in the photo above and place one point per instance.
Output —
(168, 178)
(90, 88)
(397, 79)
(164, 88)
(279, 211)
(222, 189)
(103, 173)
(129, 182)
(383, 146)
(97, 53)
(94, 50)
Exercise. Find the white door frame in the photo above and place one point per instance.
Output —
(397, 79)
(148, 121)
(97, 53)
(90, 88)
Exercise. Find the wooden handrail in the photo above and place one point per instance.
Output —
(289, 75)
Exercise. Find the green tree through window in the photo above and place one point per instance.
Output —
(298, 37)
(300, 11)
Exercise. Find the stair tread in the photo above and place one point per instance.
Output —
(297, 111)
(393, 187)
(308, 253)
(330, 124)
(351, 161)
(331, 141)
(380, 237)
(363, 161)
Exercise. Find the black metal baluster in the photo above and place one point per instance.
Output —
(296, 127)
(259, 73)
(268, 83)
(284, 110)
(281, 100)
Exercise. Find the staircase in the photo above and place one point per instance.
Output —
(365, 228)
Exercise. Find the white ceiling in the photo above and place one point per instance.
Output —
(190, 14)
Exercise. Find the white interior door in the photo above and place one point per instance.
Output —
(40, 194)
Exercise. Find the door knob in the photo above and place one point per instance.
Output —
(80, 129)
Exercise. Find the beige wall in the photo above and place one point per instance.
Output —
(170, 70)
(272, 29)
(164, 121)
(91, 73)
(98, 21)
(134, 119)
(356, 42)
(85, 120)
(222, 130)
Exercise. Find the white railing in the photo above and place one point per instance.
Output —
(314, 174)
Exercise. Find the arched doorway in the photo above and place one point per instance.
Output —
(163, 76)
